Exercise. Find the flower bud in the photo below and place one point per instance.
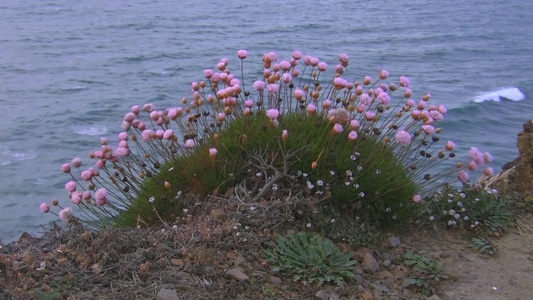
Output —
(314, 165)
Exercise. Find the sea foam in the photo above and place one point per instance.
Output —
(508, 93)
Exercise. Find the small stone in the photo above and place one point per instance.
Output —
(434, 297)
(334, 296)
(237, 274)
(166, 294)
(177, 262)
(386, 263)
(452, 274)
(275, 280)
(367, 296)
(381, 287)
(322, 295)
(369, 264)
(394, 241)
(360, 254)
(467, 256)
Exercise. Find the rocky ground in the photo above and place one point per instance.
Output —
(150, 264)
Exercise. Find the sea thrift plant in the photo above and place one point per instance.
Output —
(368, 145)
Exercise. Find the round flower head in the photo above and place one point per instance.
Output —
(403, 137)
(369, 115)
(354, 124)
(45, 207)
(383, 74)
(76, 162)
(272, 113)
(284, 135)
(65, 168)
(213, 152)
(189, 144)
(70, 186)
(404, 82)
(428, 129)
(242, 54)
(322, 66)
(168, 134)
(337, 128)
(75, 197)
(311, 109)
(488, 171)
(259, 85)
(66, 215)
(462, 176)
(352, 136)
(487, 158)
(417, 198)
(87, 175)
(476, 156)
(299, 94)
(208, 73)
(449, 145)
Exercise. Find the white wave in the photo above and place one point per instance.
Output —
(90, 130)
(9, 156)
(509, 93)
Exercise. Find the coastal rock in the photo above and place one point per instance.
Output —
(166, 294)
(369, 264)
(516, 176)
(237, 274)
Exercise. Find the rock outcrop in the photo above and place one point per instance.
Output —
(516, 176)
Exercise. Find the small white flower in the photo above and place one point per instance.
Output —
(152, 199)
(300, 212)
(162, 230)
(347, 183)
(452, 212)
(460, 204)
(308, 225)
(388, 209)
(320, 183)
(319, 192)
(332, 221)
(244, 239)
(356, 185)
(457, 216)
(359, 168)
(349, 173)
(357, 153)
(299, 173)
(178, 194)
(238, 233)
(361, 194)
(304, 174)
(450, 222)
(258, 174)
(463, 195)
(252, 208)
(432, 218)
(450, 200)
(332, 173)
(175, 227)
(494, 191)
(171, 169)
(466, 218)
(246, 227)
(463, 209)
(477, 199)
(451, 195)
(352, 157)
(378, 171)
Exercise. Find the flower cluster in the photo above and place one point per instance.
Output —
(349, 136)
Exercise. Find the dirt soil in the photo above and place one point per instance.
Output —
(506, 275)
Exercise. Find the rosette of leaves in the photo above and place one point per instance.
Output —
(427, 272)
(309, 257)
(482, 245)
(491, 211)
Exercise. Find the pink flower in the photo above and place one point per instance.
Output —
(404, 81)
(410, 103)
(339, 69)
(65, 215)
(311, 109)
(135, 109)
(462, 176)
(65, 168)
(213, 152)
(172, 113)
(273, 88)
(168, 134)
(352, 136)
(286, 78)
(129, 117)
(367, 80)
(76, 162)
(122, 151)
(476, 156)
(337, 128)
(147, 134)
(189, 144)
(259, 85)
(322, 66)
(70, 186)
(340, 115)
(299, 94)
(100, 163)
(369, 116)
(126, 125)
(354, 124)
(44, 207)
(383, 98)
(488, 171)
(296, 55)
(272, 56)
(403, 137)
(417, 198)
(215, 77)
(340, 83)
(75, 197)
(100, 194)
(86, 195)
(272, 113)
(123, 136)
(472, 165)
(436, 115)
(285, 65)
(208, 73)
(383, 74)
(365, 100)
(87, 175)
(148, 107)
(343, 58)
(442, 109)
(449, 145)
(242, 54)
(248, 103)
(428, 129)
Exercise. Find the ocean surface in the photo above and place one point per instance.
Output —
(69, 70)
